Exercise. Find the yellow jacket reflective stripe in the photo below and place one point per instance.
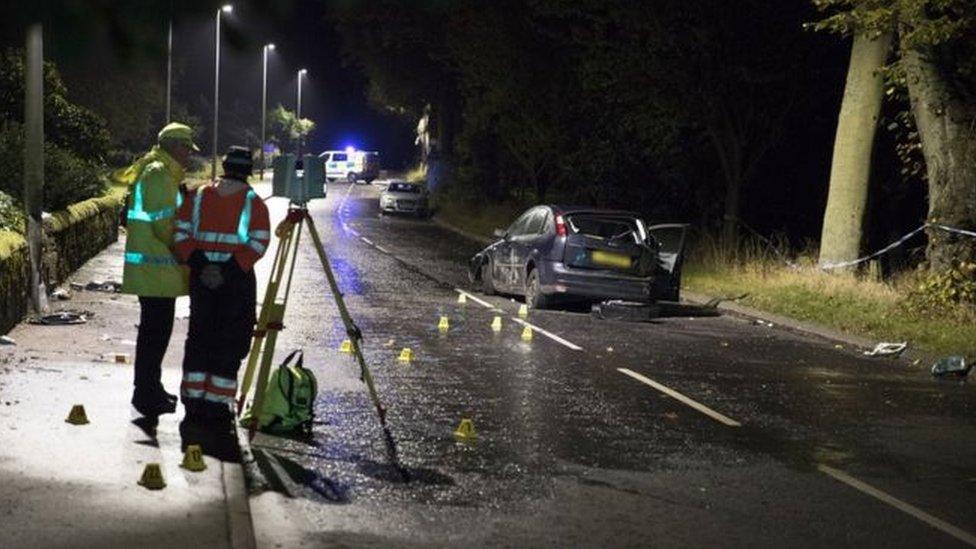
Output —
(151, 269)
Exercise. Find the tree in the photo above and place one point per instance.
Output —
(285, 129)
(937, 63)
(850, 170)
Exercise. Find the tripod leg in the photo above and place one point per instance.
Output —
(261, 328)
(276, 315)
(355, 336)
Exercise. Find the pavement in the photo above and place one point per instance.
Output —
(682, 431)
(69, 485)
(679, 432)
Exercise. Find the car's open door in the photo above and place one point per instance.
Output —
(670, 239)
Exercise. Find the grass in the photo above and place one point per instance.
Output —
(479, 218)
(856, 305)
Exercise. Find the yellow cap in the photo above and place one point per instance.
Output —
(180, 132)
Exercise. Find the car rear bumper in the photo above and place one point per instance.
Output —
(403, 208)
(560, 280)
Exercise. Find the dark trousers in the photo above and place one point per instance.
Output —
(155, 328)
(221, 322)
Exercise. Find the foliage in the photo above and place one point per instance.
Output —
(67, 125)
(936, 293)
(11, 214)
(68, 178)
(285, 129)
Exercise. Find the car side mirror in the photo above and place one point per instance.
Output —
(500, 233)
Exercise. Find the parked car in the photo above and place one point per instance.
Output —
(556, 252)
(351, 165)
(405, 197)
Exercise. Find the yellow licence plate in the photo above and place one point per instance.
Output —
(610, 259)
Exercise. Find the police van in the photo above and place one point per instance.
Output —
(351, 165)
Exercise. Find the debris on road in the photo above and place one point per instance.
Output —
(761, 322)
(61, 295)
(61, 318)
(108, 286)
(616, 309)
(887, 349)
(716, 301)
(7, 340)
(951, 366)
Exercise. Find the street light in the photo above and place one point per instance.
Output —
(169, 72)
(298, 110)
(264, 102)
(226, 8)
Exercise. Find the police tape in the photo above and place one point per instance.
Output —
(893, 245)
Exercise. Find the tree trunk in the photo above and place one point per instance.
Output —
(850, 169)
(947, 128)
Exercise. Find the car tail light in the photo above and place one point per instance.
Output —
(560, 225)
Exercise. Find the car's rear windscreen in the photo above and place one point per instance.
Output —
(602, 225)
(403, 188)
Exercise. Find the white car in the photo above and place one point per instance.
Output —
(405, 197)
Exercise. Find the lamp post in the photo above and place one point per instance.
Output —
(264, 103)
(226, 8)
(298, 111)
(169, 72)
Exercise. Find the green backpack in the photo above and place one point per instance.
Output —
(288, 399)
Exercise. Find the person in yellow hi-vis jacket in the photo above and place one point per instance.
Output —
(151, 271)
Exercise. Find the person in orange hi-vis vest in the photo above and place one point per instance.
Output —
(221, 231)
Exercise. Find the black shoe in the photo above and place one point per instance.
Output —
(222, 431)
(153, 405)
(193, 428)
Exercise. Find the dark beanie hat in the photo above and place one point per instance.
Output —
(238, 161)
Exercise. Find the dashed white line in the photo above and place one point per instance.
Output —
(474, 298)
(550, 335)
(366, 240)
(381, 248)
(354, 232)
(902, 506)
(681, 398)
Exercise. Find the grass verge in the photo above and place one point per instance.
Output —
(867, 308)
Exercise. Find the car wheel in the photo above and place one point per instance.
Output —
(351, 178)
(534, 297)
(487, 284)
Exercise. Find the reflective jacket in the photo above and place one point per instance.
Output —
(151, 269)
(223, 227)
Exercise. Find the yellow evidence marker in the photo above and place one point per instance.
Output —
(496, 324)
(462, 299)
(77, 415)
(523, 310)
(193, 459)
(406, 355)
(444, 324)
(527, 334)
(152, 477)
(465, 430)
(346, 346)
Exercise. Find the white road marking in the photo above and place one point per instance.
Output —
(476, 299)
(550, 335)
(382, 249)
(921, 515)
(366, 240)
(681, 398)
(354, 232)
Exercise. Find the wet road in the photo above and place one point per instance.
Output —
(685, 431)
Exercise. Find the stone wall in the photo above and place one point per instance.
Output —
(71, 237)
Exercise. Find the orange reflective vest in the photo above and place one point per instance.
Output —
(223, 227)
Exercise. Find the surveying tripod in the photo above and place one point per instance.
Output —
(270, 321)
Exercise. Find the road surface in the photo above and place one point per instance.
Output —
(680, 432)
